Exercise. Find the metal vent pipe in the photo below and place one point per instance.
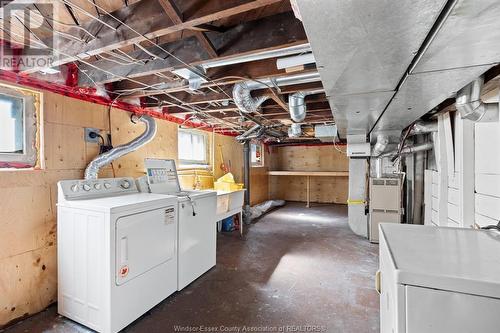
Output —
(410, 149)
(421, 127)
(381, 144)
(470, 106)
(92, 170)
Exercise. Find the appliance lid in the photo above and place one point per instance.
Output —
(121, 202)
(454, 259)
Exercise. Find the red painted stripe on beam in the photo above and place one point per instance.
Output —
(88, 95)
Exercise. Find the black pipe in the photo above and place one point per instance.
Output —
(246, 179)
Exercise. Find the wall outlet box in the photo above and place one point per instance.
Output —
(88, 134)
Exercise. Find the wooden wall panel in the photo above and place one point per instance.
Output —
(164, 144)
(309, 158)
(232, 151)
(28, 280)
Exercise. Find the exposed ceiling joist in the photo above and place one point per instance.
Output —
(256, 38)
(143, 20)
(176, 16)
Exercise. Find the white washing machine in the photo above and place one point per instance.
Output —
(117, 251)
(438, 279)
(197, 236)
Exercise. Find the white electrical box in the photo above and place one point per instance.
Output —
(360, 150)
(326, 133)
(385, 204)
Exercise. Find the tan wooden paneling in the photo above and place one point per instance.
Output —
(308, 158)
(28, 199)
(259, 185)
(232, 151)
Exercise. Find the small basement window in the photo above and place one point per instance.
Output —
(192, 147)
(18, 128)
(256, 153)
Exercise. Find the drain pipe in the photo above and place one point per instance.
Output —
(92, 170)
(470, 106)
(246, 180)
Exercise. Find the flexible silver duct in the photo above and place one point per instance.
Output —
(381, 144)
(92, 170)
(470, 106)
(244, 100)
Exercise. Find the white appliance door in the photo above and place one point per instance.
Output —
(144, 241)
(197, 238)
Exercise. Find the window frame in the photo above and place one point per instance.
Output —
(261, 163)
(194, 163)
(29, 157)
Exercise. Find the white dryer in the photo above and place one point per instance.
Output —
(117, 251)
(197, 236)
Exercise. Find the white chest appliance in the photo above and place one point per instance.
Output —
(197, 220)
(439, 280)
(117, 251)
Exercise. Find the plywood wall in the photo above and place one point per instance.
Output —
(259, 180)
(232, 152)
(309, 158)
(28, 265)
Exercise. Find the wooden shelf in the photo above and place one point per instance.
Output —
(310, 173)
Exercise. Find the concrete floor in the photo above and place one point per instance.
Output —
(296, 267)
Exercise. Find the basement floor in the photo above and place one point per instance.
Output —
(297, 267)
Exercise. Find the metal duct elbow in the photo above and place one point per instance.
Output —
(381, 145)
(100, 161)
(244, 100)
(297, 106)
(421, 127)
(470, 106)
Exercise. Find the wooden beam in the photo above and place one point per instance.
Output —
(143, 20)
(176, 16)
(189, 49)
(291, 33)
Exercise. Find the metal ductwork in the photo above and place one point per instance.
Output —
(100, 161)
(410, 149)
(421, 127)
(249, 133)
(295, 131)
(470, 106)
(381, 145)
(298, 108)
(244, 100)
(297, 105)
